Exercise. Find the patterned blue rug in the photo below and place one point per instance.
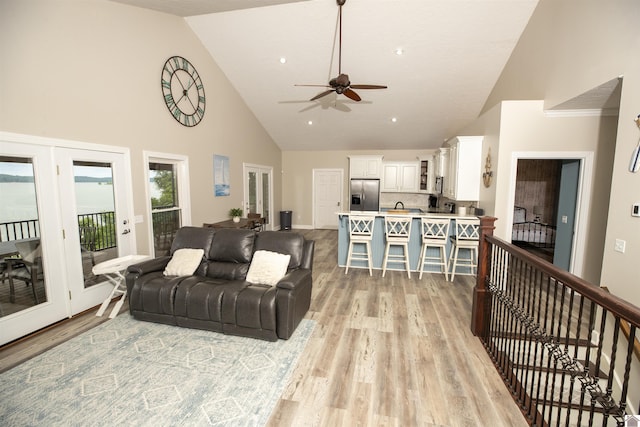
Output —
(129, 372)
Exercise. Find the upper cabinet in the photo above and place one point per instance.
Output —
(402, 177)
(365, 166)
(463, 174)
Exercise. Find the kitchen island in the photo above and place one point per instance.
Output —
(378, 240)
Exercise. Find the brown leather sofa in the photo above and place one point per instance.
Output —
(217, 297)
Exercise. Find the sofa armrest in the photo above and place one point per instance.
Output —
(156, 264)
(293, 299)
(293, 278)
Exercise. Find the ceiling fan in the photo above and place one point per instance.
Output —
(341, 84)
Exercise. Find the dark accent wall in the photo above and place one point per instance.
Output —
(537, 182)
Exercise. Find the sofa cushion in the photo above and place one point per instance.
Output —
(282, 242)
(184, 262)
(194, 238)
(232, 245)
(267, 268)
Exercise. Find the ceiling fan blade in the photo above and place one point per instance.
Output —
(320, 95)
(368, 87)
(351, 95)
(314, 85)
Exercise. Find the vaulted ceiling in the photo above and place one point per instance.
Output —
(452, 53)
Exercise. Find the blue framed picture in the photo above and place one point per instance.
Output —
(221, 175)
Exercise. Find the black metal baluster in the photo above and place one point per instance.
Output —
(567, 341)
(627, 368)
(596, 374)
(558, 338)
(577, 339)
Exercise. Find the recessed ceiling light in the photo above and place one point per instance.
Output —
(310, 122)
(393, 119)
(399, 51)
(283, 60)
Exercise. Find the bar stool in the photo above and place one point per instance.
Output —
(360, 232)
(466, 237)
(435, 232)
(397, 233)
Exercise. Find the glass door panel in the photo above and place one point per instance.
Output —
(165, 205)
(95, 204)
(266, 196)
(95, 219)
(252, 192)
(21, 260)
(32, 292)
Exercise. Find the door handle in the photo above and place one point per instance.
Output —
(126, 231)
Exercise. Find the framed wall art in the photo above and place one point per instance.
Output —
(221, 175)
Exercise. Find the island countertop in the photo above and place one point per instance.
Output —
(414, 213)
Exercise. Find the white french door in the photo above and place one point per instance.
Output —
(66, 205)
(96, 219)
(258, 192)
(327, 197)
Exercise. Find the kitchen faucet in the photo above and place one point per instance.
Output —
(399, 203)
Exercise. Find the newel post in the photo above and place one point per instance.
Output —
(481, 296)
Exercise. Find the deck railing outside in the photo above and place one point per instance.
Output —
(165, 225)
(98, 230)
(18, 230)
(564, 347)
(101, 237)
(103, 230)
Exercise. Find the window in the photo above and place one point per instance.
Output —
(168, 198)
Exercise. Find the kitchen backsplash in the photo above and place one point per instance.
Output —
(416, 200)
(413, 200)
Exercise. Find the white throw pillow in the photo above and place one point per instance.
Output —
(267, 268)
(184, 262)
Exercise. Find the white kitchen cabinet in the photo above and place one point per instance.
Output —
(400, 177)
(365, 166)
(462, 180)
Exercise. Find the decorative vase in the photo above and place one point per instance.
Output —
(236, 219)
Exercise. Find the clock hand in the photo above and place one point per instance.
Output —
(185, 91)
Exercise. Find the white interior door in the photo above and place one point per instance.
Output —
(29, 231)
(327, 197)
(96, 217)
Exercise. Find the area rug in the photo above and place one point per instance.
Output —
(129, 372)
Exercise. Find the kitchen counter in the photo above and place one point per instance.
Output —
(413, 212)
(378, 240)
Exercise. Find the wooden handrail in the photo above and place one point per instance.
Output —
(610, 302)
(525, 306)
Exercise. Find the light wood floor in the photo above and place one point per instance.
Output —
(386, 351)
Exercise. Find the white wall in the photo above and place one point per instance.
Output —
(567, 49)
(90, 71)
(297, 183)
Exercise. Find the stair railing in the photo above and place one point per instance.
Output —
(555, 339)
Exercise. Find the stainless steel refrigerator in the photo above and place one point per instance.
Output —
(365, 194)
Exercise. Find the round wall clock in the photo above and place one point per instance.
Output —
(183, 91)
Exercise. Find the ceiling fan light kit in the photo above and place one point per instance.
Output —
(341, 84)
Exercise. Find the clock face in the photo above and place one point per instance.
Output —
(183, 91)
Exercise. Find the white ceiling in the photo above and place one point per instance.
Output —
(454, 52)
